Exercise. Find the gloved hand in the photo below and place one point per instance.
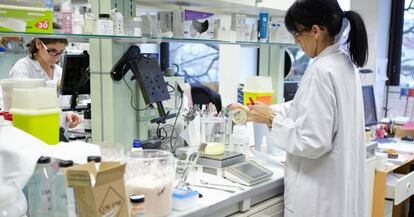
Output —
(72, 119)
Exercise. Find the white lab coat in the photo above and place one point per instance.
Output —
(29, 68)
(322, 132)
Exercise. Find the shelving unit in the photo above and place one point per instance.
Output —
(248, 7)
(113, 121)
(137, 40)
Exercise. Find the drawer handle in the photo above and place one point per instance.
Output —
(408, 187)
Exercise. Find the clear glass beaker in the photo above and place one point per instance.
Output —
(213, 132)
(151, 172)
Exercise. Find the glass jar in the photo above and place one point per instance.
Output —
(213, 131)
(151, 173)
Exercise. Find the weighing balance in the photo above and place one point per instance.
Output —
(226, 159)
(247, 173)
(215, 164)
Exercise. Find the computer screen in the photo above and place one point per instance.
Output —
(75, 76)
(289, 90)
(370, 110)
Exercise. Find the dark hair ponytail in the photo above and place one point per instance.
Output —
(357, 39)
(32, 49)
(303, 14)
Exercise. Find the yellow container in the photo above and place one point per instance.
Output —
(42, 125)
(265, 97)
(35, 111)
(258, 88)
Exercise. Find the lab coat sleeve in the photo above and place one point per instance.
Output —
(281, 109)
(307, 128)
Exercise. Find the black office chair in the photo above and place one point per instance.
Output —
(203, 95)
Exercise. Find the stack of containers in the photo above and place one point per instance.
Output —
(7, 86)
(36, 112)
(259, 88)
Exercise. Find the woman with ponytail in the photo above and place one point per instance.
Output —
(322, 128)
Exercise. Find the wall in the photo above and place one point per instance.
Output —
(376, 15)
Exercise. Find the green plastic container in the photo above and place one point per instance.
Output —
(35, 111)
(41, 124)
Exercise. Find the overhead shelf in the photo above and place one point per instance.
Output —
(133, 39)
(248, 7)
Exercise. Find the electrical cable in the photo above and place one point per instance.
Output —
(173, 88)
(175, 122)
(132, 98)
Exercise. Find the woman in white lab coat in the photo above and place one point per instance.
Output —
(322, 128)
(41, 63)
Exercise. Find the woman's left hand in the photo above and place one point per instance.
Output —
(72, 119)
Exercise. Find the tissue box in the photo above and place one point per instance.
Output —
(198, 24)
(99, 193)
(25, 19)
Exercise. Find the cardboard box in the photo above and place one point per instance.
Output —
(402, 131)
(99, 193)
(25, 19)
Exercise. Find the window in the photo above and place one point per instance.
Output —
(195, 62)
(407, 48)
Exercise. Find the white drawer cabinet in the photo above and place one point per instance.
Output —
(399, 187)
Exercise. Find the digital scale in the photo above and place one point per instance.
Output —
(247, 173)
(226, 159)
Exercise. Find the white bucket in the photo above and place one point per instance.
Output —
(9, 84)
(258, 84)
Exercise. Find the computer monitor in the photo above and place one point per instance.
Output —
(289, 90)
(370, 109)
(75, 76)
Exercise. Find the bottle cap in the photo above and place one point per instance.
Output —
(96, 159)
(65, 163)
(43, 160)
(137, 198)
(137, 143)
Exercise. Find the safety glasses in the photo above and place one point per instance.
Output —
(53, 52)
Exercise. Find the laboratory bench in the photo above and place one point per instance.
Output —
(263, 199)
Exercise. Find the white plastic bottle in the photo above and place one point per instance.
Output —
(66, 16)
(39, 189)
(239, 140)
(63, 197)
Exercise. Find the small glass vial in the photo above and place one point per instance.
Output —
(137, 205)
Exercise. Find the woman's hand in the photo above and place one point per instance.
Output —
(72, 119)
(260, 113)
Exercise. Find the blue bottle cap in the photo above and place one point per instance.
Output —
(136, 143)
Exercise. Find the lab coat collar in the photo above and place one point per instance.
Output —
(39, 68)
(36, 64)
(329, 50)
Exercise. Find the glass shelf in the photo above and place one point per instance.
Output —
(137, 40)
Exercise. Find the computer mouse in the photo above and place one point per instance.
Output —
(407, 138)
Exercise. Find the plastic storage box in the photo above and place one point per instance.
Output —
(36, 112)
(25, 19)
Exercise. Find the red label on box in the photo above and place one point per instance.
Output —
(42, 24)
